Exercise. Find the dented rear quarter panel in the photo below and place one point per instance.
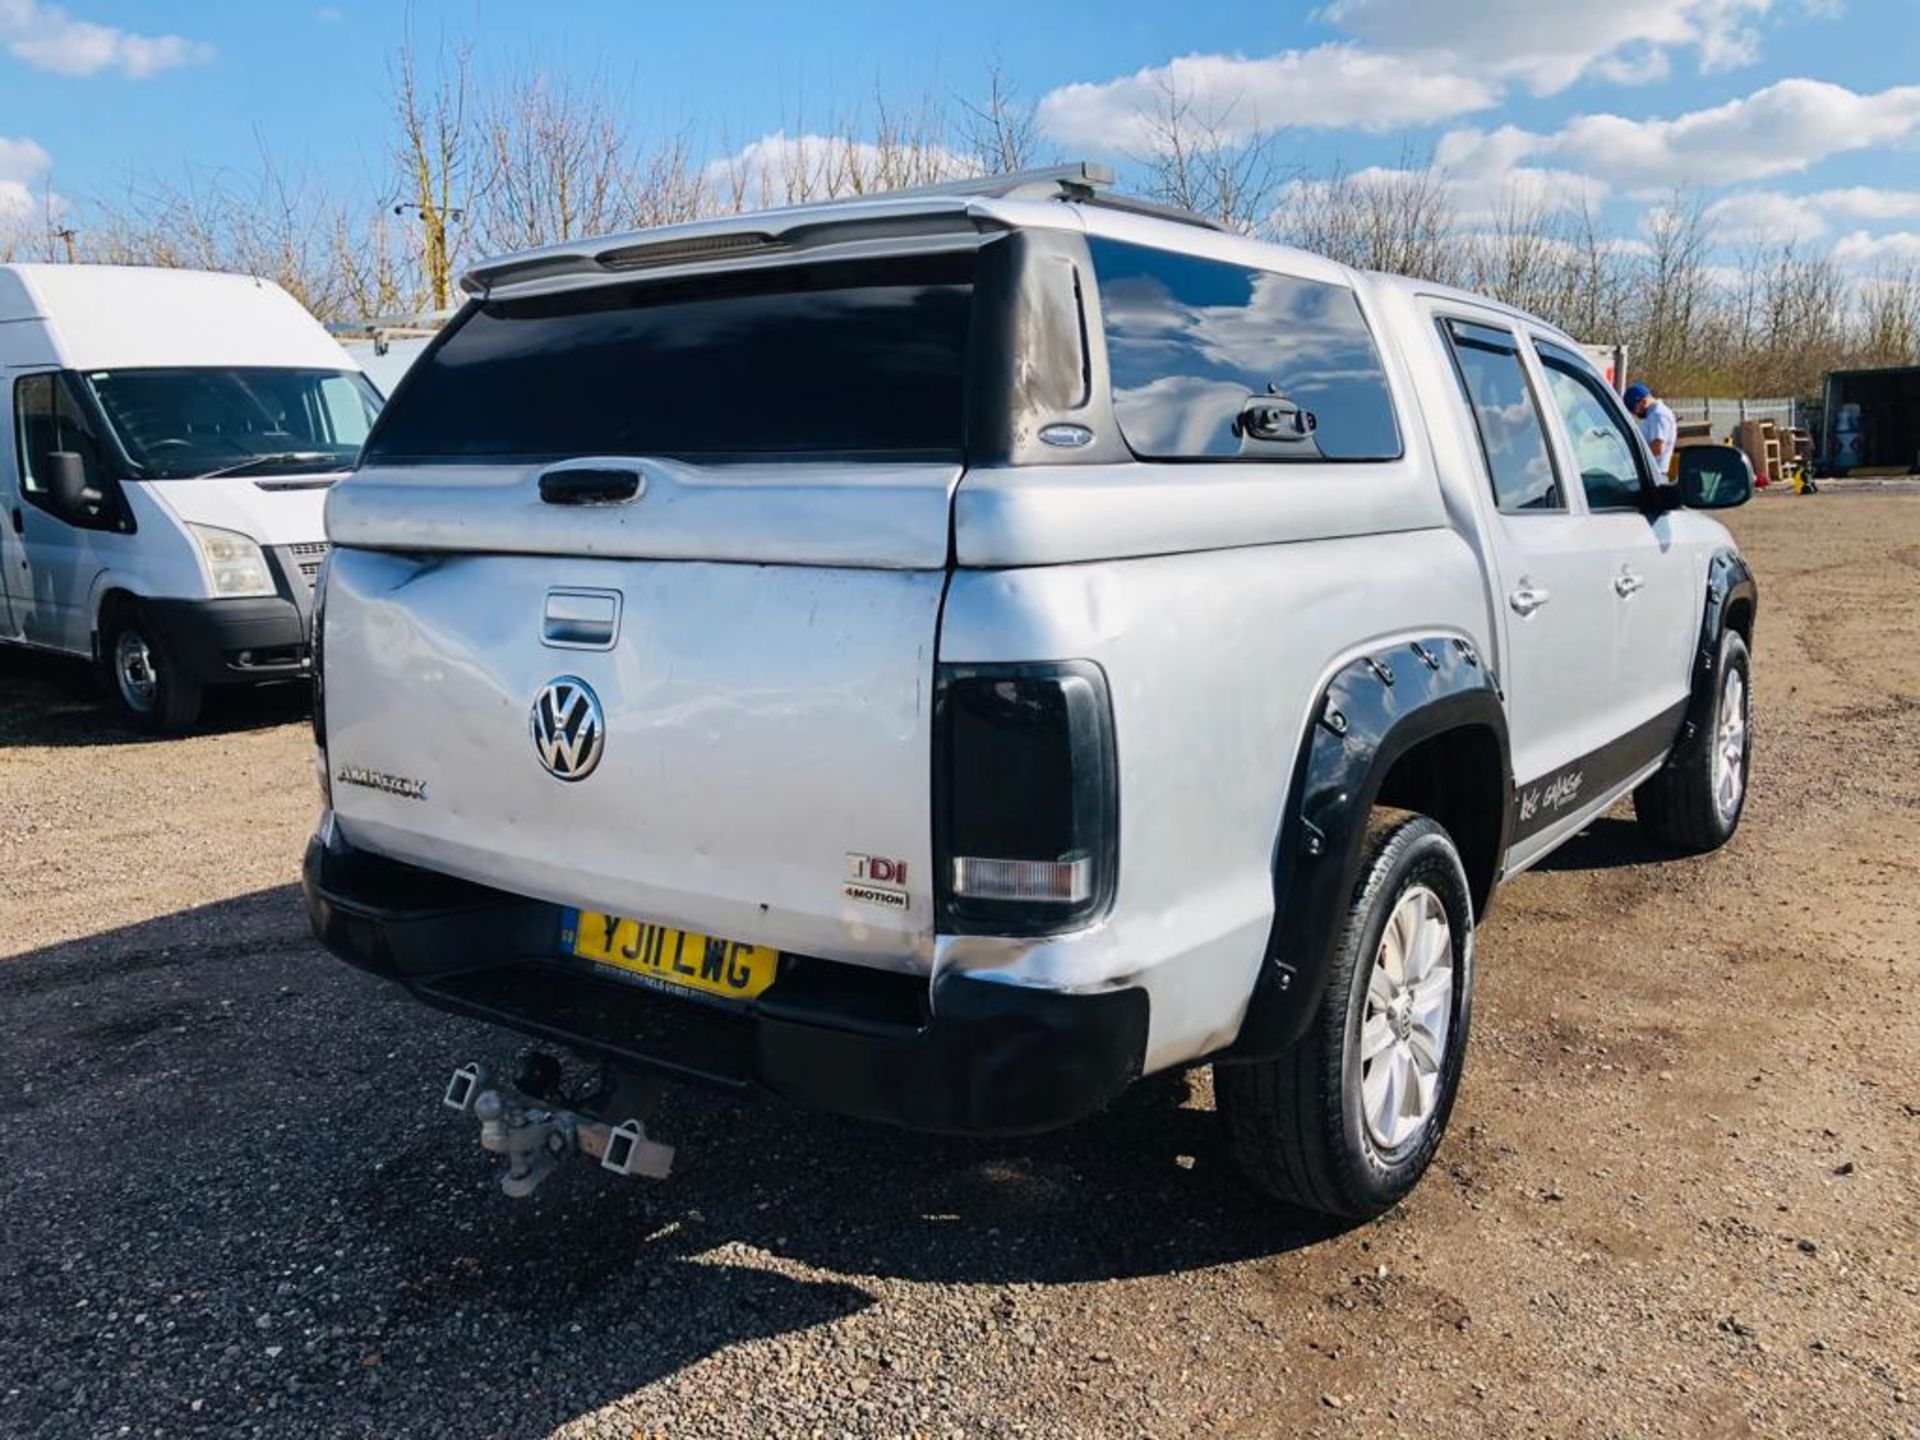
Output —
(1214, 661)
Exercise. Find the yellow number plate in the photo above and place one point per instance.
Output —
(670, 957)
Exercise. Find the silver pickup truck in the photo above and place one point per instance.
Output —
(943, 656)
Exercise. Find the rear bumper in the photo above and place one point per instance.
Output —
(964, 1056)
(224, 641)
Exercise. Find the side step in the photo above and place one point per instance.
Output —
(534, 1135)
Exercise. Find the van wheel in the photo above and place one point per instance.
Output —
(1347, 1122)
(155, 694)
(1695, 800)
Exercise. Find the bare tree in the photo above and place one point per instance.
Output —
(433, 156)
(1399, 220)
(1001, 131)
(1200, 159)
(1526, 255)
(1672, 289)
(560, 162)
(858, 153)
(261, 222)
(1889, 319)
(377, 274)
(1599, 282)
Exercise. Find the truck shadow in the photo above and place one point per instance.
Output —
(303, 1167)
(1607, 843)
(53, 700)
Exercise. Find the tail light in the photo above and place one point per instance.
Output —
(316, 622)
(1026, 798)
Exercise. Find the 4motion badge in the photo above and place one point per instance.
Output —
(876, 880)
(569, 729)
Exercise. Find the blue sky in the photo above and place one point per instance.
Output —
(1796, 116)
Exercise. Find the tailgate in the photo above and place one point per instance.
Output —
(763, 723)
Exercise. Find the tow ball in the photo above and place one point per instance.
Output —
(533, 1133)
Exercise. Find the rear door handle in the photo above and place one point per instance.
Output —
(1626, 582)
(581, 619)
(1528, 598)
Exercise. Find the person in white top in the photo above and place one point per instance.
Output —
(1656, 423)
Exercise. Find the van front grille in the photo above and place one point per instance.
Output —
(307, 558)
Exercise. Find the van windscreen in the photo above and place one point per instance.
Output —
(843, 357)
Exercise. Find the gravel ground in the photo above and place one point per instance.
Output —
(1677, 1199)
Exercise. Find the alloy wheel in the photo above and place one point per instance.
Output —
(1409, 1013)
(1730, 747)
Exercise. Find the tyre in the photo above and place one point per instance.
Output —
(154, 693)
(1347, 1122)
(1695, 800)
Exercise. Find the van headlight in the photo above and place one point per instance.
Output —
(234, 563)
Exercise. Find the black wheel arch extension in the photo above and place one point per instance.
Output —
(1418, 724)
(1733, 603)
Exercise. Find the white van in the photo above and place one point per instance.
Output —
(172, 437)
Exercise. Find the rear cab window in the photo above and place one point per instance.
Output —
(846, 358)
(1216, 361)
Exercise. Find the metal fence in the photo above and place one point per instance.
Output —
(1723, 415)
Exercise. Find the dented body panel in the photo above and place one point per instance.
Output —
(724, 687)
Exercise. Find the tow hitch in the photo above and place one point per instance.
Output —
(525, 1124)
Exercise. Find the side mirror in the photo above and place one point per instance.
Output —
(1714, 477)
(68, 484)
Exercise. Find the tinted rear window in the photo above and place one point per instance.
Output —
(1190, 342)
(851, 357)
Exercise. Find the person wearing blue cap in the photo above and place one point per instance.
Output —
(1656, 423)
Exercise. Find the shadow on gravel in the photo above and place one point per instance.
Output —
(57, 701)
(1606, 843)
(323, 1241)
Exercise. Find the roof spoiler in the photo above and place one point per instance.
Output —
(1083, 182)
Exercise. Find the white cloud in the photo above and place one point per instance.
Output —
(23, 160)
(783, 169)
(1486, 178)
(1768, 215)
(1477, 197)
(1328, 87)
(1862, 250)
(1864, 202)
(24, 166)
(1774, 214)
(49, 38)
(1786, 127)
(1549, 44)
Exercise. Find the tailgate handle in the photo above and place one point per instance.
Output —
(583, 486)
(581, 619)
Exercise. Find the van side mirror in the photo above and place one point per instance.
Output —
(68, 483)
(1714, 477)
